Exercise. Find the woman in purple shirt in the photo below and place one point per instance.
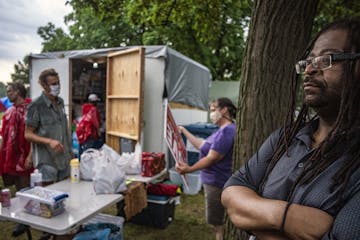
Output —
(215, 159)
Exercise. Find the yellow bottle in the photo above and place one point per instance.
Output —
(75, 170)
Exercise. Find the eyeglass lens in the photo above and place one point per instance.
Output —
(317, 63)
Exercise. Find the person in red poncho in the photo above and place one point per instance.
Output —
(15, 151)
(15, 156)
(88, 129)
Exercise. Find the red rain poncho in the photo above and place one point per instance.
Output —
(89, 123)
(14, 148)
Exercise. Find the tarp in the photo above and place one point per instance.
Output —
(186, 81)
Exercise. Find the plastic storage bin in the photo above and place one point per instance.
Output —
(193, 179)
(42, 201)
(106, 218)
(158, 213)
(200, 130)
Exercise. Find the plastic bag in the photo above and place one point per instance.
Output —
(87, 163)
(132, 161)
(109, 174)
(112, 155)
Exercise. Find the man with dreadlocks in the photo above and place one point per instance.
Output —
(304, 181)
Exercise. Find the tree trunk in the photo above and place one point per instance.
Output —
(278, 35)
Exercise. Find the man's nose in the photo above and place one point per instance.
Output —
(310, 70)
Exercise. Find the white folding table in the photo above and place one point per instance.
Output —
(82, 204)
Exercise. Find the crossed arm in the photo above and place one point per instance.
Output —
(263, 217)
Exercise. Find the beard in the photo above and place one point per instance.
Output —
(322, 95)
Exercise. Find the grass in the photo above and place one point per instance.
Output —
(188, 223)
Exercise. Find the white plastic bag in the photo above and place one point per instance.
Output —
(109, 177)
(112, 154)
(88, 159)
(132, 161)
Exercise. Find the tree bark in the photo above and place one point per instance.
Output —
(278, 34)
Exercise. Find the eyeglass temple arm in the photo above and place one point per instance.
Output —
(344, 56)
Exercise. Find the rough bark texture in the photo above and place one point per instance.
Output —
(278, 35)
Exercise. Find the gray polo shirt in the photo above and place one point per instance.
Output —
(49, 122)
(314, 194)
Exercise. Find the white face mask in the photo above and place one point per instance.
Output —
(215, 116)
(55, 90)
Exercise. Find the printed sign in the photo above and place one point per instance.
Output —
(174, 139)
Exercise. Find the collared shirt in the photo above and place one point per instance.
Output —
(315, 194)
(49, 121)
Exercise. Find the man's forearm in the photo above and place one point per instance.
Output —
(32, 137)
(248, 211)
(269, 235)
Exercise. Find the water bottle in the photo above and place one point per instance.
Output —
(75, 170)
(75, 145)
(36, 178)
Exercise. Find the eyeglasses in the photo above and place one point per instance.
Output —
(324, 62)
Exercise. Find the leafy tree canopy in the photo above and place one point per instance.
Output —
(212, 32)
(21, 71)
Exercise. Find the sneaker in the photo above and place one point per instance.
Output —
(19, 229)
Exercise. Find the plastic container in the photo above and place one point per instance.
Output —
(175, 177)
(5, 197)
(193, 180)
(75, 170)
(35, 178)
(158, 213)
(75, 144)
(41, 201)
(105, 218)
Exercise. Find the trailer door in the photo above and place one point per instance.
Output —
(124, 96)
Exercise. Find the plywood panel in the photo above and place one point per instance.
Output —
(124, 117)
(125, 70)
(124, 103)
(113, 142)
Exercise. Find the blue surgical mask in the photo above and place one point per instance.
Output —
(55, 90)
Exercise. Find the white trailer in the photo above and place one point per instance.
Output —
(134, 83)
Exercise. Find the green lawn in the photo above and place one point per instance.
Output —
(188, 223)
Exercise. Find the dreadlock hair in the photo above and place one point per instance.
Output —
(344, 139)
